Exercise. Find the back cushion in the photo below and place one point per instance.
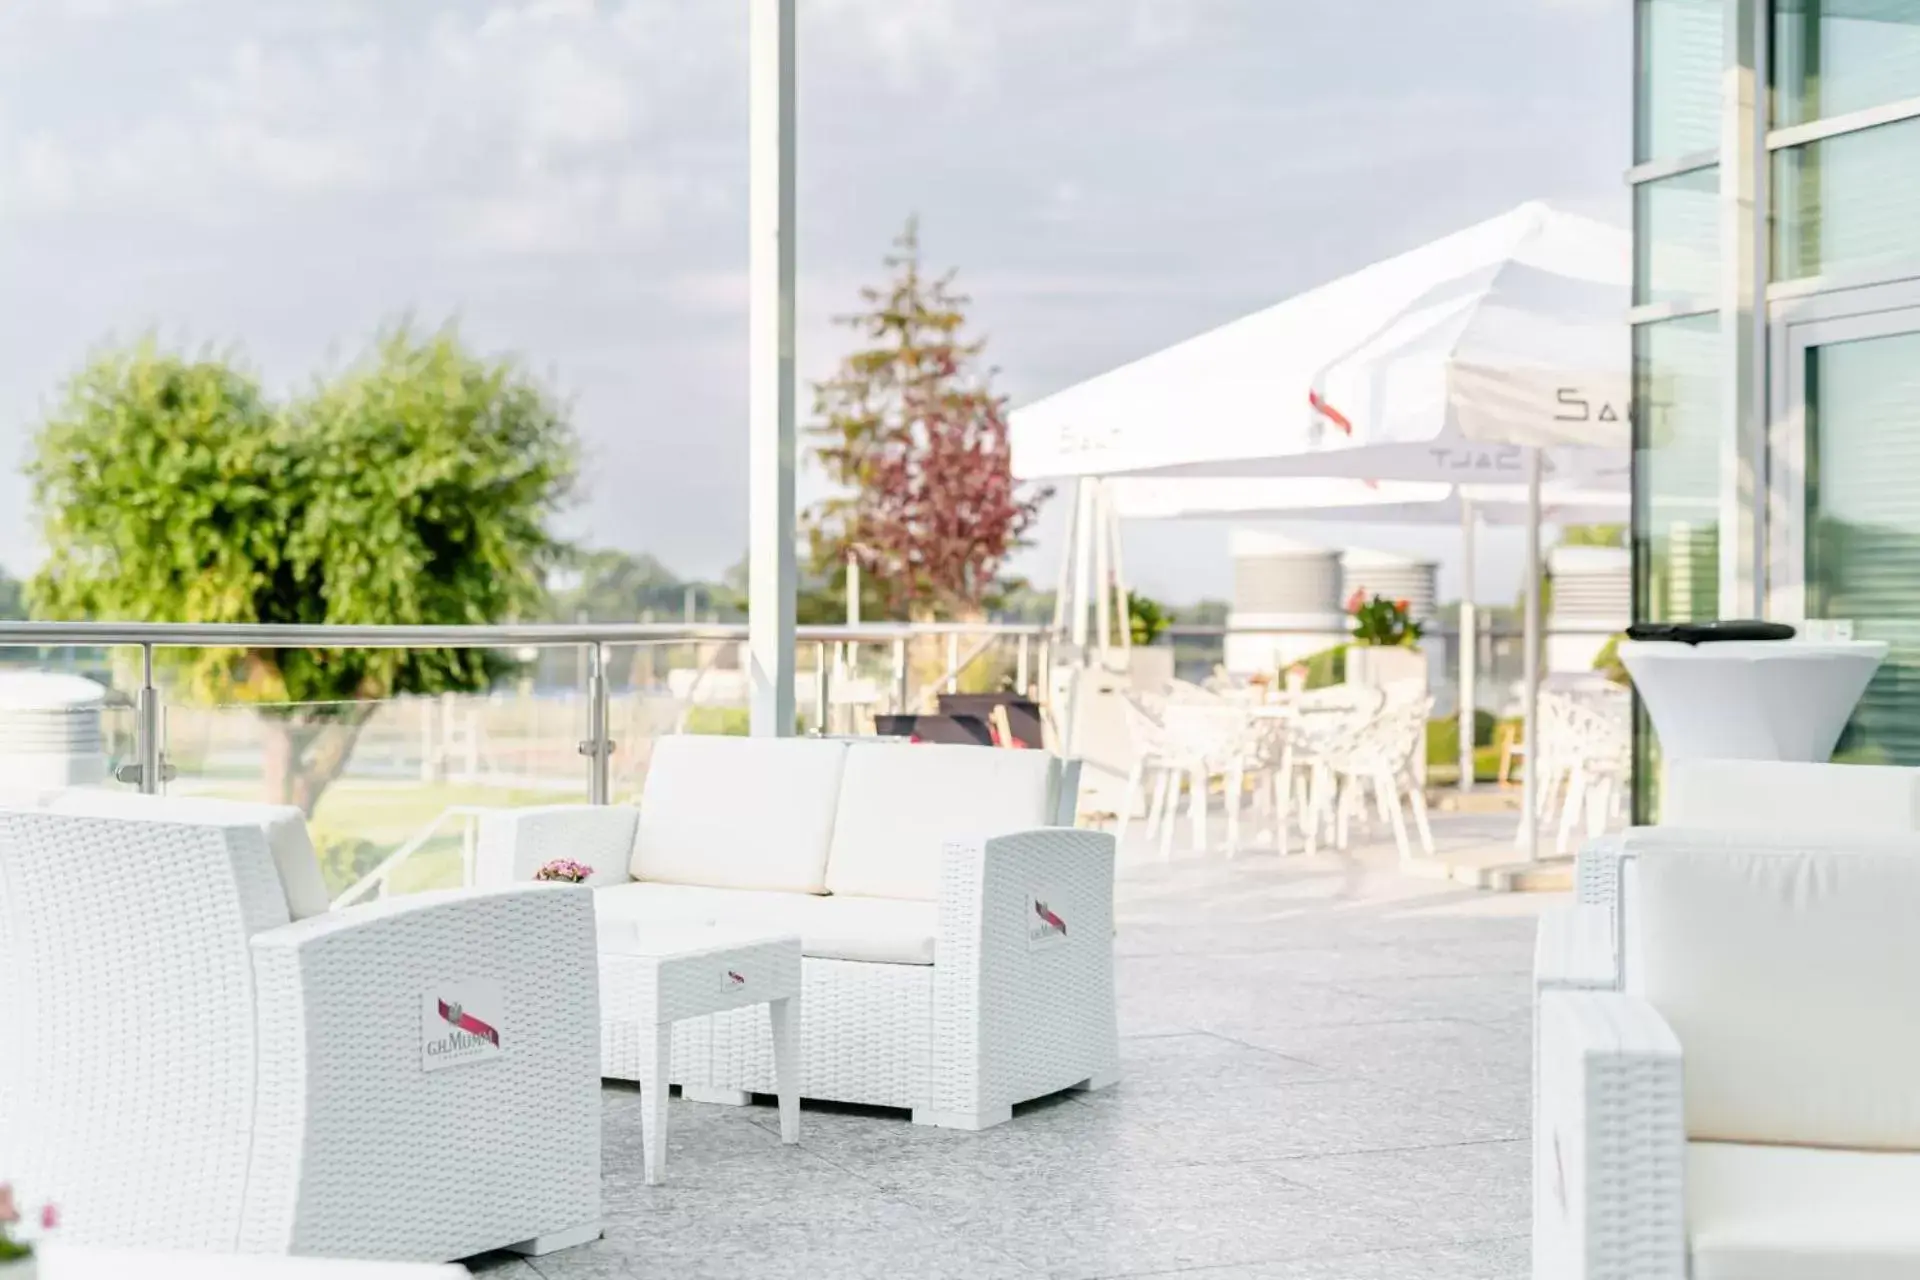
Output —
(284, 826)
(900, 804)
(738, 813)
(1793, 983)
(1761, 795)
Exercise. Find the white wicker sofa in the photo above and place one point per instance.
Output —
(958, 943)
(196, 1055)
(1746, 1108)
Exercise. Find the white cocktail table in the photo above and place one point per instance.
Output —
(1750, 700)
(665, 975)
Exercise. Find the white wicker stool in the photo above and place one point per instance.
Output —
(693, 971)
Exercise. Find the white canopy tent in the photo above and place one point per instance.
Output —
(1498, 354)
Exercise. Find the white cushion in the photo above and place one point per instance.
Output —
(284, 825)
(738, 813)
(1792, 980)
(877, 930)
(1793, 1213)
(900, 804)
(1776, 795)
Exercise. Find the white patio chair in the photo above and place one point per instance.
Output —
(1743, 1105)
(1151, 767)
(1205, 740)
(1378, 759)
(1296, 746)
(196, 1055)
(1598, 751)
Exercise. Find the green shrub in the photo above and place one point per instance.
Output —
(1443, 737)
(734, 722)
(1327, 667)
(1608, 661)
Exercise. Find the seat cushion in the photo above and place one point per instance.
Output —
(738, 813)
(1788, 795)
(284, 825)
(1793, 1213)
(900, 804)
(876, 930)
(1792, 980)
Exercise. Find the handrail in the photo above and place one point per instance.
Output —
(150, 768)
(230, 635)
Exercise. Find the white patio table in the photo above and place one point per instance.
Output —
(666, 975)
(1751, 700)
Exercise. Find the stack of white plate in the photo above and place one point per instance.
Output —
(50, 731)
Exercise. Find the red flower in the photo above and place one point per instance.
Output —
(1402, 606)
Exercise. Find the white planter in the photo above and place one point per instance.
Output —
(24, 1269)
(1377, 666)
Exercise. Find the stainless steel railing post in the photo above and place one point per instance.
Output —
(821, 687)
(598, 748)
(146, 770)
(900, 675)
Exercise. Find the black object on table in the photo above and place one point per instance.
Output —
(968, 731)
(1023, 714)
(1710, 632)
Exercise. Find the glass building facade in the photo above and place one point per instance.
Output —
(1776, 328)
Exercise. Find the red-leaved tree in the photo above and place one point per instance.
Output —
(911, 431)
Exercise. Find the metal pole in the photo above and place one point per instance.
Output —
(953, 662)
(1103, 575)
(772, 573)
(820, 685)
(1120, 595)
(1063, 592)
(1020, 682)
(597, 748)
(1082, 568)
(900, 675)
(1469, 646)
(1530, 668)
(147, 713)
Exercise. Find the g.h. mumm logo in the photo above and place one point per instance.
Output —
(1048, 924)
(468, 1035)
(462, 1021)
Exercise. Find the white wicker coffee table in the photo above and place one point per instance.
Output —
(692, 971)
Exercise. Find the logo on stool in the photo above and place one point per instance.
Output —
(737, 979)
(1045, 926)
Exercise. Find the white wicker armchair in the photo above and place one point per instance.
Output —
(958, 948)
(1745, 1107)
(183, 1065)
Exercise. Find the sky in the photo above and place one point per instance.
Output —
(567, 179)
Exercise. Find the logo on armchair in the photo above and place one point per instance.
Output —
(1045, 927)
(736, 979)
(460, 1023)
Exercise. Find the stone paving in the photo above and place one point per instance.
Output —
(1325, 1075)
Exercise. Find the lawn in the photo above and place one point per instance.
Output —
(360, 822)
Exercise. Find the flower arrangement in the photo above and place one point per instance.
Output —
(1380, 621)
(564, 870)
(15, 1248)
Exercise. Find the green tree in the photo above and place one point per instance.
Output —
(911, 431)
(414, 488)
(13, 600)
(616, 586)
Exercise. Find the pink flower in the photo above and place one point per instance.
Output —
(49, 1217)
(1355, 600)
(9, 1212)
(564, 869)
